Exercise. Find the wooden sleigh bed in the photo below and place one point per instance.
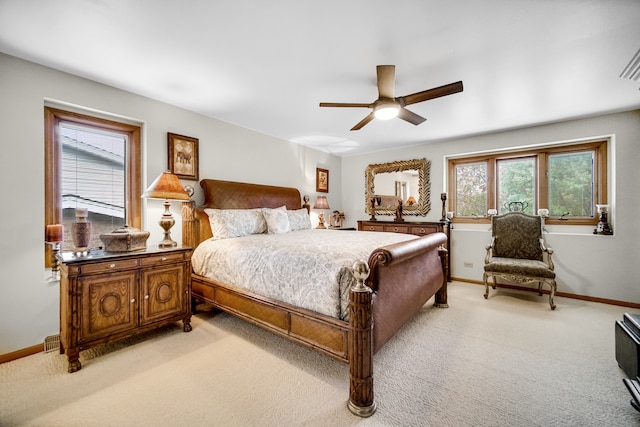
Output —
(402, 276)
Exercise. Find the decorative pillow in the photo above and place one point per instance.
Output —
(227, 223)
(277, 220)
(299, 219)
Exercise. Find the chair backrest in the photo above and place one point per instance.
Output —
(517, 235)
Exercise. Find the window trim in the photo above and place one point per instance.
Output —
(599, 146)
(52, 161)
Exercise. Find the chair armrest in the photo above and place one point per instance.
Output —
(489, 249)
(549, 252)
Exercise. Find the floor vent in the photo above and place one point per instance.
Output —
(52, 343)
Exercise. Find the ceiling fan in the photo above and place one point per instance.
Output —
(388, 106)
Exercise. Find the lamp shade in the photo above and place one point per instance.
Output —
(321, 203)
(411, 200)
(166, 187)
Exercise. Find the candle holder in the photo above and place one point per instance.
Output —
(54, 237)
(443, 197)
(55, 262)
(603, 223)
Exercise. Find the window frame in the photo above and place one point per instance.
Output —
(53, 174)
(541, 153)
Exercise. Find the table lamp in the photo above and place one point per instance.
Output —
(166, 187)
(322, 204)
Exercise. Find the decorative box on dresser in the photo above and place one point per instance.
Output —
(106, 297)
(412, 227)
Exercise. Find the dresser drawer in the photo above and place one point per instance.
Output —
(423, 230)
(369, 227)
(397, 228)
(105, 267)
(162, 259)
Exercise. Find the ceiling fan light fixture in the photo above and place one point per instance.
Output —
(386, 111)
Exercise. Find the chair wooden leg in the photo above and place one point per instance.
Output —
(485, 276)
(552, 293)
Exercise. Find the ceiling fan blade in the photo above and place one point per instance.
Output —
(386, 81)
(410, 116)
(344, 104)
(437, 92)
(363, 122)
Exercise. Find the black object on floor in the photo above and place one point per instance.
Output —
(634, 388)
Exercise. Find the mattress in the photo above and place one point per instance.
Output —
(310, 269)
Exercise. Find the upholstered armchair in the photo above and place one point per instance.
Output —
(518, 253)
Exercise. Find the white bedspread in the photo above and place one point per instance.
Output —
(307, 268)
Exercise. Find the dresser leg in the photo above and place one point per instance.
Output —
(74, 361)
(186, 322)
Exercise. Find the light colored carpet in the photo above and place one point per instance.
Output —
(507, 361)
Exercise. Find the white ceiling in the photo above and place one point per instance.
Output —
(265, 65)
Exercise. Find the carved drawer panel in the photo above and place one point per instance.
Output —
(105, 267)
(163, 293)
(162, 259)
(371, 227)
(397, 229)
(109, 304)
(423, 230)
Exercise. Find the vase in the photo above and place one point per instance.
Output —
(81, 231)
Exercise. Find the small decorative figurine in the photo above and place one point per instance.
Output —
(603, 224)
(373, 209)
(336, 219)
(398, 217)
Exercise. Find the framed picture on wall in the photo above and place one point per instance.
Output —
(183, 156)
(322, 180)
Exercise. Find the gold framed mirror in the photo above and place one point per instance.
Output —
(408, 181)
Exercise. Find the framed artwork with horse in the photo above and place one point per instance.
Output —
(183, 156)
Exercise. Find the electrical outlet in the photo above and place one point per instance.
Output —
(468, 265)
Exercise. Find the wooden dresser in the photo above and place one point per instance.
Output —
(105, 297)
(410, 227)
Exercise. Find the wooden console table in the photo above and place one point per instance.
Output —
(109, 296)
(411, 227)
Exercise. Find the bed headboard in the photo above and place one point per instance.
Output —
(231, 195)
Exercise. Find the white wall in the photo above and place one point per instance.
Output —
(586, 264)
(29, 307)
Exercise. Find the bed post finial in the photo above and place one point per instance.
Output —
(361, 401)
(361, 273)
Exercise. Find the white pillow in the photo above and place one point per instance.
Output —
(277, 220)
(227, 223)
(299, 219)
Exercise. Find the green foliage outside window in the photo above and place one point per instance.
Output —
(571, 185)
(516, 183)
(471, 189)
(568, 180)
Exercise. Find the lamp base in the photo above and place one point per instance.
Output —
(321, 220)
(167, 243)
(166, 222)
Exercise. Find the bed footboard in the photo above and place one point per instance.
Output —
(404, 276)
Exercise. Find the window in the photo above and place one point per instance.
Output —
(95, 164)
(568, 180)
